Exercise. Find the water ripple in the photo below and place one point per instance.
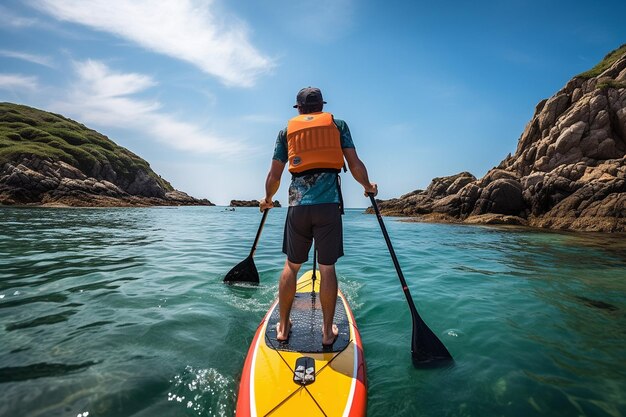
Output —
(203, 392)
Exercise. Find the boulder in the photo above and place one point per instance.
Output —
(249, 203)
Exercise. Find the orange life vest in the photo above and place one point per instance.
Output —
(313, 142)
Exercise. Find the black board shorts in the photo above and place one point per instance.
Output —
(321, 222)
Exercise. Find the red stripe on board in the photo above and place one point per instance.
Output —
(243, 397)
(358, 407)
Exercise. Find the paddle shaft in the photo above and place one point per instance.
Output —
(394, 258)
(258, 233)
(426, 348)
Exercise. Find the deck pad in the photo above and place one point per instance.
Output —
(306, 326)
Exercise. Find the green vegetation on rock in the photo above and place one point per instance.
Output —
(28, 131)
(603, 65)
(610, 84)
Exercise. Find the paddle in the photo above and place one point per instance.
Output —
(245, 271)
(426, 348)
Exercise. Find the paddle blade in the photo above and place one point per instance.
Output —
(426, 348)
(244, 271)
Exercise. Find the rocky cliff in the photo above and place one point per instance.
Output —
(568, 172)
(47, 159)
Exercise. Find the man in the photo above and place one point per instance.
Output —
(314, 144)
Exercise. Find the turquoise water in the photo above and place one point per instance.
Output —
(122, 312)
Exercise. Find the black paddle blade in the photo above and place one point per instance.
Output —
(244, 271)
(426, 349)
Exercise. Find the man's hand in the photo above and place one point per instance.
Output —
(265, 205)
(272, 182)
(373, 188)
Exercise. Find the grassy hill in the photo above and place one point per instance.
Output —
(28, 131)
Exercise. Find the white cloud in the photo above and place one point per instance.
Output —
(36, 59)
(103, 97)
(188, 30)
(8, 19)
(104, 83)
(18, 82)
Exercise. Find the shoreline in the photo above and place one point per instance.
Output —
(523, 225)
(487, 220)
(608, 225)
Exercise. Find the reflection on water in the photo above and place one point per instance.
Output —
(122, 312)
(39, 370)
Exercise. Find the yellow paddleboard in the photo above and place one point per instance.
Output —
(302, 377)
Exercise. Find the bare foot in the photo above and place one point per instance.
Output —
(283, 336)
(328, 340)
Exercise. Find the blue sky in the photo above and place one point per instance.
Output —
(200, 88)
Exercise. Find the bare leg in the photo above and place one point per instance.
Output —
(328, 299)
(286, 293)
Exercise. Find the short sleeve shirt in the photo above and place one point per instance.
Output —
(318, 188)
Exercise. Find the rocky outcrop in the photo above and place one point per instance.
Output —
(249, 203)
(568, 172)
(47, 159)
(32, 180)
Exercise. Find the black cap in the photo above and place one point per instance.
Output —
(309, 96)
